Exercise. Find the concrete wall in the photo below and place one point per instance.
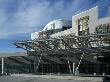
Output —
(93, 17)
(6, 54)
(34, 35)
(93, 20)
(104, 20)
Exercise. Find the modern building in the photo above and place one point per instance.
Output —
(87, 22)
(52, 28)
(82, 45)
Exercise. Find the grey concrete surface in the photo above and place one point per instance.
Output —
(37, 79)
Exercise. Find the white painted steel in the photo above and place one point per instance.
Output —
(2, 65)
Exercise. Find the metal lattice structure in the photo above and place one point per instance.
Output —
(96, 43)
(68, 46)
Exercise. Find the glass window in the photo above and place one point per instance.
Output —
(103, 28)
(83, 25)
(53, 25)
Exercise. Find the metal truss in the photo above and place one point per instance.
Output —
(67, 46)
(96, 43)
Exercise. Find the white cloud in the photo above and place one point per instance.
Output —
(25, 19)
(31, 15)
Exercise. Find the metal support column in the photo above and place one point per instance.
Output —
(77, 68)
(2, 65)
(39, 61)
(69, 65)
(73, 68)
(35, 63)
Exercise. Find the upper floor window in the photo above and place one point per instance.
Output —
(53, 25)
(83, 25)
(103, 28)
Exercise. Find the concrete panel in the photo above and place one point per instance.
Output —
(13, 54)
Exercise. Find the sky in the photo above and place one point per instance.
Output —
(19, 18)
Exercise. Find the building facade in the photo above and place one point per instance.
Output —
(87, 22)
(68, 46)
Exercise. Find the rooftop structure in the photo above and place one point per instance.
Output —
(52, 28)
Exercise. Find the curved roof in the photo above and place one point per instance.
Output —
(55, 24)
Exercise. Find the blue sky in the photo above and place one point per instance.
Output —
(18, 18)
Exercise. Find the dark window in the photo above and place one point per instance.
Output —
(53, 25)
(66, 27)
